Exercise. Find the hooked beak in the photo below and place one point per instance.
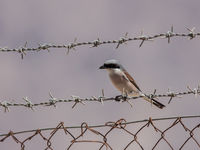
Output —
(102, 67)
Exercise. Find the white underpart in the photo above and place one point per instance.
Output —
(122, 83)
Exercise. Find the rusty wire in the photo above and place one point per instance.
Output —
(53, 101)
(191, 34)
(106, 133)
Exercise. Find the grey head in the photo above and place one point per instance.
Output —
(112, 64)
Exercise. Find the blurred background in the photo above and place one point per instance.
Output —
(156, 65)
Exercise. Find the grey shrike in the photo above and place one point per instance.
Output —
(122, 80)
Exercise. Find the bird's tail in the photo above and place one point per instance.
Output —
(154, 102)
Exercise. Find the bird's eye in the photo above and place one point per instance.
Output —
(114, 66)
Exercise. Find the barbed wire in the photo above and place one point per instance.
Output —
(95, 43)
(120, 124)
(76, 99)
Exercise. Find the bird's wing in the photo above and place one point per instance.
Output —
(131, 80)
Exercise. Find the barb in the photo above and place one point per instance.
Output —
(191, 34)
(104, 135)
(76, 99)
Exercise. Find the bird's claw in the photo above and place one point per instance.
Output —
(120, 97)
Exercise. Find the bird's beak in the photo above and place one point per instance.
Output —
(102, 67)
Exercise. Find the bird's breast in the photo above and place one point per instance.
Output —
(122, 84)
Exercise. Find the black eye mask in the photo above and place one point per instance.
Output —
(111, 66)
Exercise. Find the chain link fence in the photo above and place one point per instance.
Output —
(160, 133)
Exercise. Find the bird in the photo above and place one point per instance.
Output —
(123, 81)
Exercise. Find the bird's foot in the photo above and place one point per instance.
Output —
(120, 98)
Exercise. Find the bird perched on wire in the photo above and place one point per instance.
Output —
(123, 81)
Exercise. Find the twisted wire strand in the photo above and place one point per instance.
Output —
(191, 34)
(53, 101)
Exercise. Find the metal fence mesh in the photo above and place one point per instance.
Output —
(161, 133)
